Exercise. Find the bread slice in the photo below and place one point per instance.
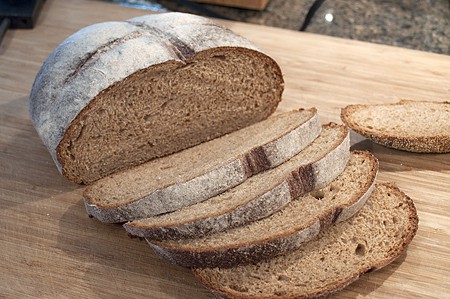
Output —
(415, 126)
(283, 231)
(203, 171)
(259, 196)
(336, 257)
(117, 94)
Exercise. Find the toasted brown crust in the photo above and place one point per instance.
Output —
(266, 246)
(329, 289)
(419, 144)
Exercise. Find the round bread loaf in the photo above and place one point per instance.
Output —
(117, 94)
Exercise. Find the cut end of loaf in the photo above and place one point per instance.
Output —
(164, 109)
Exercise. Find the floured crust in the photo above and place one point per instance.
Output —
(268, 246)
(93, 60)
(301, 180)
(436, 143)
(210, 277)
(216, 180)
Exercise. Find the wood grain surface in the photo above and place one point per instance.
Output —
(50, 248)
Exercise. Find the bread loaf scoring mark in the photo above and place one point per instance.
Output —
(180, 48)
(256, 161)
(91, 57)
(301, 180)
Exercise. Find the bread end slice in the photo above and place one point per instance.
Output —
(414, 126)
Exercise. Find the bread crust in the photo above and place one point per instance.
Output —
(173, 197)
(332, 288)
(92, 60)
(266, 247)
(301, 180)
(418, 144)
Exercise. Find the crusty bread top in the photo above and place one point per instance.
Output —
(339, 255)
(415, 126)
(118, 86)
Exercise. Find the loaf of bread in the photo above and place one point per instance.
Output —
(200, 172)
(259, 196)
(415, 126)
(286, 230)
(336, 257)
(117, 94)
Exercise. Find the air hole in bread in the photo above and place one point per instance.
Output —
(360, 249)
(283, 277)
(318, 194)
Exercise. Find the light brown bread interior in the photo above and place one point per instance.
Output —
(169, 107)
(202, 171)
(283, 231)
(373, 238)
(415, 126)
(258, 197)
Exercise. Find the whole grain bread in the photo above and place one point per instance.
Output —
(338, 256)
(200, 172)
(284, 231)
(259, 196)
(117, 94)
(415, 126)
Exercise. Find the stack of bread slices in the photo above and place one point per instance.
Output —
(179, 147)
(294, 213)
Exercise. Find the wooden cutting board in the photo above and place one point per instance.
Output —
(50, 248)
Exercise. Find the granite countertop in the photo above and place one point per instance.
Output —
(422, 25)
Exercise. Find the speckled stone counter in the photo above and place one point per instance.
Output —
(422, 25)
